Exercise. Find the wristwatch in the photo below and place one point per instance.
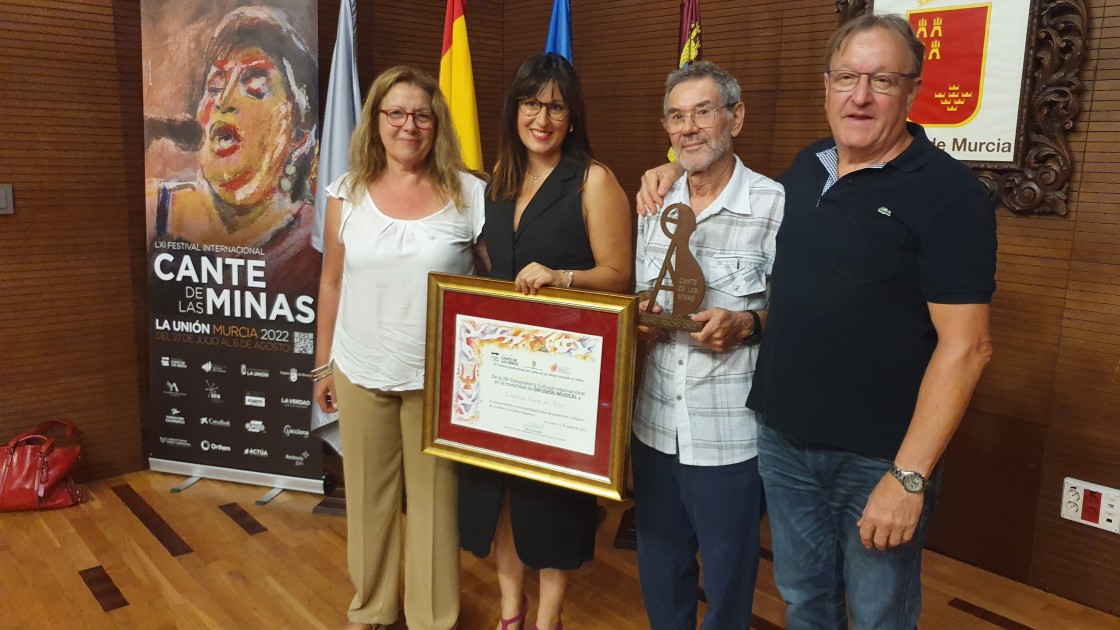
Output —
(913, 482)
(756, 327)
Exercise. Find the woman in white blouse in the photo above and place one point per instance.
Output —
(408, 206)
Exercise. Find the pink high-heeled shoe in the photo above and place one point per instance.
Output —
(506, 623)
(559, 626)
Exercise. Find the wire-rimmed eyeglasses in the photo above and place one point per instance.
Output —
(879, 82)
(703, 117)
(398, 117)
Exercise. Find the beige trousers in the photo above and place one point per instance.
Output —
(380, 431)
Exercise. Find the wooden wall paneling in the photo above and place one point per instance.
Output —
(985, 510)
(806, 26)
(72, 274)
(623, 72)
(992, 468)
(1083, 439)
(413, 37)
(741, 37)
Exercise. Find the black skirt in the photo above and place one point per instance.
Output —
(553, 527)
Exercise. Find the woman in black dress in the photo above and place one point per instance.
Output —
(554, 217)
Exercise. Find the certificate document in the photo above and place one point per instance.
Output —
(535, 384)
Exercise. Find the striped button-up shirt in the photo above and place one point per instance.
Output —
(692, 400)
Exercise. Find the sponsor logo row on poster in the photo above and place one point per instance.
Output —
(292, 374)
(176, 384)
(213, 393)
(175, 416)
(215, 447)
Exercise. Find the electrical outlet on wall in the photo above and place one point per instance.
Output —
(1090, 504)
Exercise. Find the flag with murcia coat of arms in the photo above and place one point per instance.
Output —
(956, 41)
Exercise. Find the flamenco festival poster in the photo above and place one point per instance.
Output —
(230, 124)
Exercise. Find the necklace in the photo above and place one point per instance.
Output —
(536, 178)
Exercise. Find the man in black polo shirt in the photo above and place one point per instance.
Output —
(878, 333)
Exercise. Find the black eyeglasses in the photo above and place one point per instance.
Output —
(879, 82)
(398, 117)
(556, 110)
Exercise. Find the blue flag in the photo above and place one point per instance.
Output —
(560, 30)
(344, 105)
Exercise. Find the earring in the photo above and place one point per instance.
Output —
(571, 128)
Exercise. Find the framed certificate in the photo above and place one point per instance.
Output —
(540, 386)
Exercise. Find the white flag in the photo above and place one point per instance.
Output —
(344, 105)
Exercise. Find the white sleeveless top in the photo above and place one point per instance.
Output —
(379, 335)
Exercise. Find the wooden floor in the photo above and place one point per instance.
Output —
(225, 562)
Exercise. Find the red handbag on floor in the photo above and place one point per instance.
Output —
(35, 469)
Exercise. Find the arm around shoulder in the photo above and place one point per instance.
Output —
(656, 183)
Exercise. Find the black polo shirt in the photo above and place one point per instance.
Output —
(849, 334)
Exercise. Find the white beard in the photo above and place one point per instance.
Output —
(697, 162)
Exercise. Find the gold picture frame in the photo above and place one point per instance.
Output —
(489, 402)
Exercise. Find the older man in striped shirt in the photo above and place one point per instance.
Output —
(694, 449)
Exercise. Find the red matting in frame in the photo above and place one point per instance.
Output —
(561, 317)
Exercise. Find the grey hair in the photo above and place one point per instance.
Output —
(728, 85)
(893, 24)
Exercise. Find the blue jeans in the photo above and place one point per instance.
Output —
(815, 495)
(681, 509)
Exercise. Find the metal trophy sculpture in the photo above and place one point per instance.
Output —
(678, 222)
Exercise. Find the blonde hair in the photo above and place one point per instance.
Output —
(367, 152)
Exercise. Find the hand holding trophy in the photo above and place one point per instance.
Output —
(685, 278)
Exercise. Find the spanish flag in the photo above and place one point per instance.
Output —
(456, 79)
